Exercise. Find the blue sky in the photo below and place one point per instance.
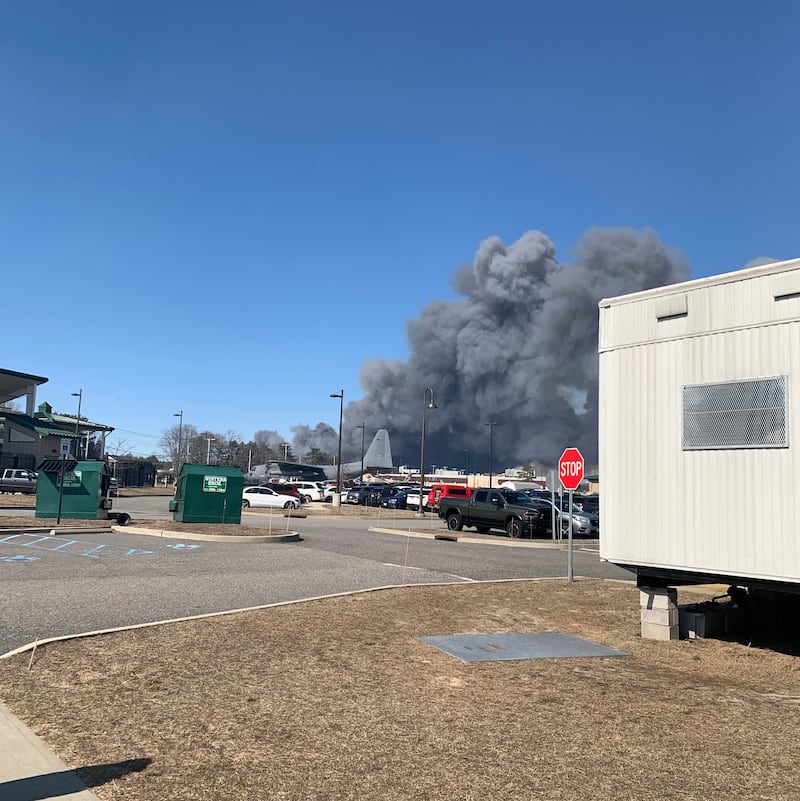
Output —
(226, 208)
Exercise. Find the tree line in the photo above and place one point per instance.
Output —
(187, 444)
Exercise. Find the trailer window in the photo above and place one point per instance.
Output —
(735, 414)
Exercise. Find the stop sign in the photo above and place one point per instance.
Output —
(570, 468)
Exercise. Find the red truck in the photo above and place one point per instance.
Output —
(440, 491)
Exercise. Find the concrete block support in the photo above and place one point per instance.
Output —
(659, 613)
(660, 617)
(655, 631)
(658, 597)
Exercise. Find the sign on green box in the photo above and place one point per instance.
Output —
(215, 483)
(73, 478)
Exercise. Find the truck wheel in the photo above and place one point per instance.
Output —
(514, 528)
(482, 529)
(454, 521)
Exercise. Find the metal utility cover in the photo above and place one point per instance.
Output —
(506, 647)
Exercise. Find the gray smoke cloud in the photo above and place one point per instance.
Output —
(322, 437)
(268, 439)
(519, 347)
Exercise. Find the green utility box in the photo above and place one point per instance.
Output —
(206, 494)
(85, 495)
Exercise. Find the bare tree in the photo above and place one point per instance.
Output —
(176, 442)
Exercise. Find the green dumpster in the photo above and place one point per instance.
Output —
(206, 494)
(85, 495)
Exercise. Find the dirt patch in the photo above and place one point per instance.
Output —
(217, 529)
(338, 699)
(11, 501)
(9, 521)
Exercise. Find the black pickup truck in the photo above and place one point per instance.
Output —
(513, 512)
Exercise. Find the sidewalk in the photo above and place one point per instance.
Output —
(29, 771)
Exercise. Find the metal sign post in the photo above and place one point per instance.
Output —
(570, 472)
(61, 487)
(569, 546)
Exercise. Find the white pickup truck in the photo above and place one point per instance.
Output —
(14, 479)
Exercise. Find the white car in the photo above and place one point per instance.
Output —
(412, 499)
(266, 497)
(309, 490)
(330, 492)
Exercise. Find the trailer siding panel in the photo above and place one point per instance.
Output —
(719, 511)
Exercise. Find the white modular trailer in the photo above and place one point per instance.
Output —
(699, 429)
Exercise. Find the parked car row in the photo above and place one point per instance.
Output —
(539, 508)
(373, 494)
(518, 513)
(404, 495)
(297, 491)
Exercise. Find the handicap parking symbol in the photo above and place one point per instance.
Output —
(19, 558)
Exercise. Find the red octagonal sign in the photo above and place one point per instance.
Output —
(570, 468)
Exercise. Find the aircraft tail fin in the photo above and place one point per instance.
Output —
(379, 453)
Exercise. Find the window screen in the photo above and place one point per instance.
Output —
(735, 414)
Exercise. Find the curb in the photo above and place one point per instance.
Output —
(448, 536)
(284, 536)
(53, 532)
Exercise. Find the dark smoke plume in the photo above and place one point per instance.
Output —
(519, 348)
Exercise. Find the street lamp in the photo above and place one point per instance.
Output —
(79, 396)
(178, 452)
(466, 469)
(362, 449)
(208, 440)
(285, 446)
(491, 446)
(338, 495)
(426, 404)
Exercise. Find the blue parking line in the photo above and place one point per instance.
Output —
(89, 550)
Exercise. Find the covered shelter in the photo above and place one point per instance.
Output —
(15, 385)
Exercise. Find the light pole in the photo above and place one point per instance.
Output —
(79, 396)
(362, 449)
(426, 404)
(178, 452)
(491, 449)
(285, 446)
(338, 494)
(208, 440)
(466, 468)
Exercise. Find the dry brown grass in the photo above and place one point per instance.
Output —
(338, 699)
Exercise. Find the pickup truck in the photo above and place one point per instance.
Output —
(16, 480)
(510, 511)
